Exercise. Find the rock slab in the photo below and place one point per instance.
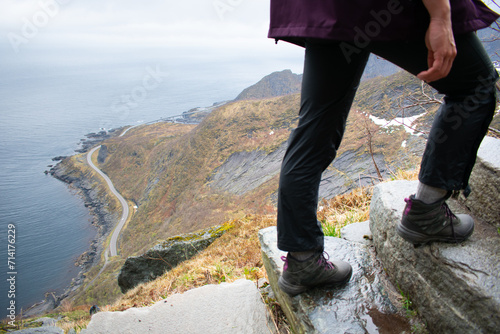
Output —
(165, 256)
(212, 309)
(358, 232)
(455, 287)
(364, 305)
(485, 183)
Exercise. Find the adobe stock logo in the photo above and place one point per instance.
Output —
(224, 6)
(372, 29)
(31, 26)
(122, 107)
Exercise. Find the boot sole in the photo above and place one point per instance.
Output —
(421, 238)
(291, 289)
(295, 289)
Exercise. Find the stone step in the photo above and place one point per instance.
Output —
(367, 304)
(212, 309)
(455, 287)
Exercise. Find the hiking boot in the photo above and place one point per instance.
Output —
(422, 223)
(299, 276)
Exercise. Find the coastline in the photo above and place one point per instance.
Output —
(103, 220)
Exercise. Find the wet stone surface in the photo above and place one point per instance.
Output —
(453, 286)
(367, 304)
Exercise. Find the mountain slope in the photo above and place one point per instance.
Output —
(272, 85)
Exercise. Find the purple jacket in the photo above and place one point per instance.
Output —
(378, 20)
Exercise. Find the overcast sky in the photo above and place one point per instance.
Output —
(219, 27)
(139, 22)
(226, 27)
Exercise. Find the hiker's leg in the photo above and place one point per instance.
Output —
(458, 129)
(462, 120)
(329, 84)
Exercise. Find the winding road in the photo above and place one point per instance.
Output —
(123, 202)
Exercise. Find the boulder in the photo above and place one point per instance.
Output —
(485, 183)
(212, 309)
(366, 304)
(455, 287)
(165, 256)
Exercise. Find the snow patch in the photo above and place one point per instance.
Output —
(407, 122)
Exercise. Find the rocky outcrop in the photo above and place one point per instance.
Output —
(485, 183)
(103, 154)
(351, 170)
(212, 309)
(165, 256)
(245, 171)
(366, 304)
(455, 287)
(93, 139)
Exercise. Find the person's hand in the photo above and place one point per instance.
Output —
(441, 50)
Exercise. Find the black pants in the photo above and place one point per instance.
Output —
(329, 84)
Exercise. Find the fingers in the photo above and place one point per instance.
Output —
(435, 71)
(439, 66)
(441, 50)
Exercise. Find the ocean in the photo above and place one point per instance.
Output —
(46, 108)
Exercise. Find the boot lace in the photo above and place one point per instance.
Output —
(323, 261)
(285, 259)
(408, 206)
(450, 215)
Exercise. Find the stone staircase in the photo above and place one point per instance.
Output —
(454, 288)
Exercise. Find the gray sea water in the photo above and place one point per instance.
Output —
(46, 107)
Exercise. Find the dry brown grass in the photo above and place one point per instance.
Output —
(353, 207)
(410, 175)
(345, 209)
(233, 256)
(77, 324)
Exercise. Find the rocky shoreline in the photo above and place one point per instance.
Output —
(103, 220)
